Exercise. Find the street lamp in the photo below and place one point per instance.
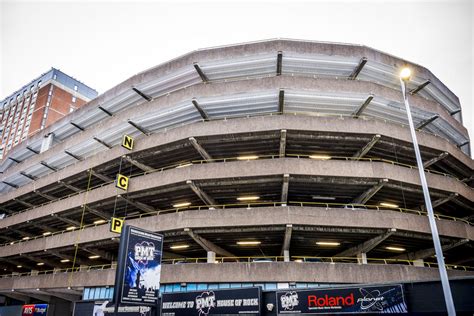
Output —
(405, 75)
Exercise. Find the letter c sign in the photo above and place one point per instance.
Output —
(122, 182)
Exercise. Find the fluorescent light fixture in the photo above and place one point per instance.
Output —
(248, 198)
(247, 157)
(25, 238)
(395, 248)
(11, 243)
(64, 260)
(184, 165)
(299, 260)
(94, 257)
(47, 233)
(179, 246)
(249, 243)
(40, 264)
(99, 221)
(71, 228)
(19, 266)
(328, 243)
(184, 204)
(391, 205)
(405, 74)
(320, 157)
(318, 197)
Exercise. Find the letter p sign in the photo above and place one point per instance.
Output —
(116, 225)
(122, 182)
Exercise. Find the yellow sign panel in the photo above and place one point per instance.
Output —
(122, 182)
(116, 225)
(127, 142)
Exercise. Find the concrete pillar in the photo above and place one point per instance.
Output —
(211, 257)
(419, 263)
(362, 258)
(47, 142)
(286, 255)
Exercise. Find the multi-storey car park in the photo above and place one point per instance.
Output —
(288, 163)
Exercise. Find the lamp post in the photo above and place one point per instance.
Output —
(405, 75)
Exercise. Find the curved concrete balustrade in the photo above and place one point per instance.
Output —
(240, 125)
(241, 272)
(262, 216)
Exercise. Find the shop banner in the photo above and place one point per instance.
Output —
(140, 265)
(245, 301)
(107, 308)
(34, 310)
(353, 300)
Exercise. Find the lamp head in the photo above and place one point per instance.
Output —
(405, 74)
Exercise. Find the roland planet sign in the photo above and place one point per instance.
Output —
(353, 300)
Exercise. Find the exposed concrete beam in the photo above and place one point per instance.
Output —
(208, 245)
(17, 296)
(39, 260)
(172, 255)
(283, 143)
(424, 123)
(421, 86)
(367, 195)
(67, 220)
(439, 202)
(73, 156)
(105, 111)
(29, 176)
(139, 128)
(10, 184)
(101, 176)
(48, 166)
(284, 188)
(455, 111)
(7, 238)
(62, 295)
(201, 73)
(46, 228)
(465, 180)
(426, 253)
(141, 206)
(78, 260)
(17, 263)
(362, 107)
(23, 202)
(22, 233)
(361, 153)
(469, 218)
(14, 160)
(103, 254)
(32, 150)
(138, 164)
(279, 63)
(287, 239)
(204, 154)
(142, 94)
(199, 108)
(367, 245)
(77, 126)
(70, 187)
(102, 142)
(281, 101)
(97, 212)
(434, 160)
(358, 69)
(463, 144)
(201, 194)
(45, 195)
(37, 296)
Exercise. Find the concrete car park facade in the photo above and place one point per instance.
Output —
(277, 161)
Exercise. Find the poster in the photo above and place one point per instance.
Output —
(351, 300)
(245, 301)
(140, 265)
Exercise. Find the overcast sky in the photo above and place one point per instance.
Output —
(104, 43)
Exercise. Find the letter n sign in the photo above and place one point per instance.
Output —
(116, 225)
(122, 182)
(127, 142)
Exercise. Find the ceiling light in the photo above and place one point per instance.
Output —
(320, 157)
(179, 247)
(391, 205)
(318, 197)
(328, 243)
(299, 260)
(249, 243)
(94, 257)
(47, 233)
(184, 204)
(11, 243)
(405, 73)
(71, 228)
(26, 238)
(19, 266)
(395, 248)
(64, 260)
(248, 198)
(40, 264)
(99, 221)
(184, 165)
(247, 157)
